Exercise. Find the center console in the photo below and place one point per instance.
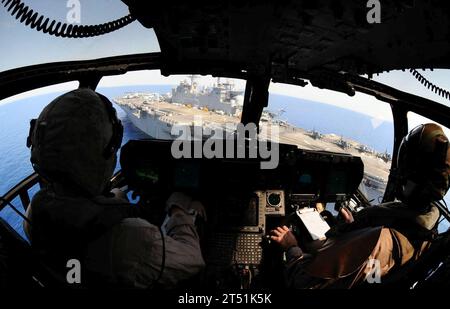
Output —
(243, 202)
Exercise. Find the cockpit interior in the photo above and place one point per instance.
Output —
(243, 202)
(327, 44)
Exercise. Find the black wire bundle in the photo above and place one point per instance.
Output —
(438, 90)
(36, 21)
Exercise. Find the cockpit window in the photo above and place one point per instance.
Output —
(405, 81)
(329, 121)
(179, 106)
(15, 115)
(22, 46)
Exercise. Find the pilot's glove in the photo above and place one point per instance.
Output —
(199, 209)
(185, 203)
(346, 215)
(179, 200)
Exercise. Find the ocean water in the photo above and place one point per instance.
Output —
(15, 118)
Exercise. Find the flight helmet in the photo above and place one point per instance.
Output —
(424, 166)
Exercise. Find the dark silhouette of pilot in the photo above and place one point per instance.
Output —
(73, 148)
(380, 239)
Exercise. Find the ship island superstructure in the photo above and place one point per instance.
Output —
(221, 98)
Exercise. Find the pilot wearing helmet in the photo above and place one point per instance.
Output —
(74, 216)
(379, 240)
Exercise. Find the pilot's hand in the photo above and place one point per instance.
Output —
(118, 193)
(346, 215)
(283, 237)
(199, 209)
(181, 202)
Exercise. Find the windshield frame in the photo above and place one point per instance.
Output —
(90, 72)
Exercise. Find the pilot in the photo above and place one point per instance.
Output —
(75, 217)
(378, 240)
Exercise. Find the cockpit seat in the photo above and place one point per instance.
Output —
(19, 266)
(346, 256)
(430, 270)
(15, 266)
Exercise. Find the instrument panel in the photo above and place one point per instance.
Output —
(148, 165)
(240, 198)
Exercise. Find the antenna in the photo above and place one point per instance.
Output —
(193, 78)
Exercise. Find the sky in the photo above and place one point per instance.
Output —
(21, 46)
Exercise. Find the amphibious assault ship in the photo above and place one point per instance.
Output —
(156, 114)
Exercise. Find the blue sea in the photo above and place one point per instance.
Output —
(15, 118)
